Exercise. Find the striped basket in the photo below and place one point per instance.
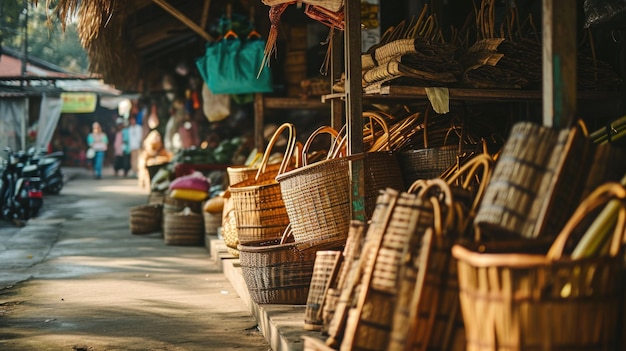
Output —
(145, 219)
(183, 228)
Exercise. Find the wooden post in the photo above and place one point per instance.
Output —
(336, 68)
(559, 63)
(354, 104)
(259, 141)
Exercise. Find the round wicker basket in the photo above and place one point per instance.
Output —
(145, 219)
(183, 228)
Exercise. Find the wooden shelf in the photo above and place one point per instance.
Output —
(292, 103)
(469, 94)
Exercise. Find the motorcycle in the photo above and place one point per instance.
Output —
(49, 168)
(21, 193)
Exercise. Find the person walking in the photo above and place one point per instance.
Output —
(135, 139)
(122, 149)
(99, 142)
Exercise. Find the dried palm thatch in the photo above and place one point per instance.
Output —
(101, 32)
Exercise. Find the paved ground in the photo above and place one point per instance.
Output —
(76, 279)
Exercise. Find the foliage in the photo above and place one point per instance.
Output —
(46, 39)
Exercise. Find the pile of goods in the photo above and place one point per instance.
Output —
(457, 262)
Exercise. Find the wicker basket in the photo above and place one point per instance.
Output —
(172, 205)
(212, 221)
(427, 163)
(536, 182)
(325, 187)
(339, 299)
(406, 219)
(523, 302)
(229, 232)
(278, 273)
(258, 203)
(156, 198)
(146, 219)
(325, 262)
(317, 200)
(183, 228)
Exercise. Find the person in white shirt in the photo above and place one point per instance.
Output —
(135, 139)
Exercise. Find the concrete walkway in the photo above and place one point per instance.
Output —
(75, 278)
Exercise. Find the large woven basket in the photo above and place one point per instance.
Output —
(183, 228)
(523, 302)
(317, 200)
(278, 273)
(258, 203)
(536, 182)
(146, 219)
(406, 218)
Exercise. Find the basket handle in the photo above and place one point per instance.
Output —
(600, 196)
(423, 189)
(291, 145)
(286, 234)
(469, 170)
(382, 143)
(323, 129)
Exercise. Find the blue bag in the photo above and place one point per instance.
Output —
(234, 66)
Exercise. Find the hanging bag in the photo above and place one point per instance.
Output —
(234, 66)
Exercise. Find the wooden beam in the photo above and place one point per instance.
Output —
(181, 17)
(354, 105)
(205, 13)
(559, 63)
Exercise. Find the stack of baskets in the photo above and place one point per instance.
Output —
(274, 269)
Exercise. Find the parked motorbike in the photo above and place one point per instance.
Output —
(49, 169)
(20, 187)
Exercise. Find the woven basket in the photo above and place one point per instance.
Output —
(433, 158)
(339, 299)
(536, 182)
(325, 262)
(278, 273)
(523, 302)
(156, 198)
(427, 163)
(229, 232)
(258, 203)
(172, 205)
(237, 174)
(146, 219)
(183, 228)
(317, 200)
(409, 217)
(212, 221)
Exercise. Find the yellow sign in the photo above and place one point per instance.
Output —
(78, 102)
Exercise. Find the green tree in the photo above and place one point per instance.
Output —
(46, 39)
(10, 11)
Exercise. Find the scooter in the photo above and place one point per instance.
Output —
(21, 195)
(49, 169)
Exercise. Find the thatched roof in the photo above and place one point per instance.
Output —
(131, 43)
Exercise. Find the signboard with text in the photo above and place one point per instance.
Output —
(78, 102)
